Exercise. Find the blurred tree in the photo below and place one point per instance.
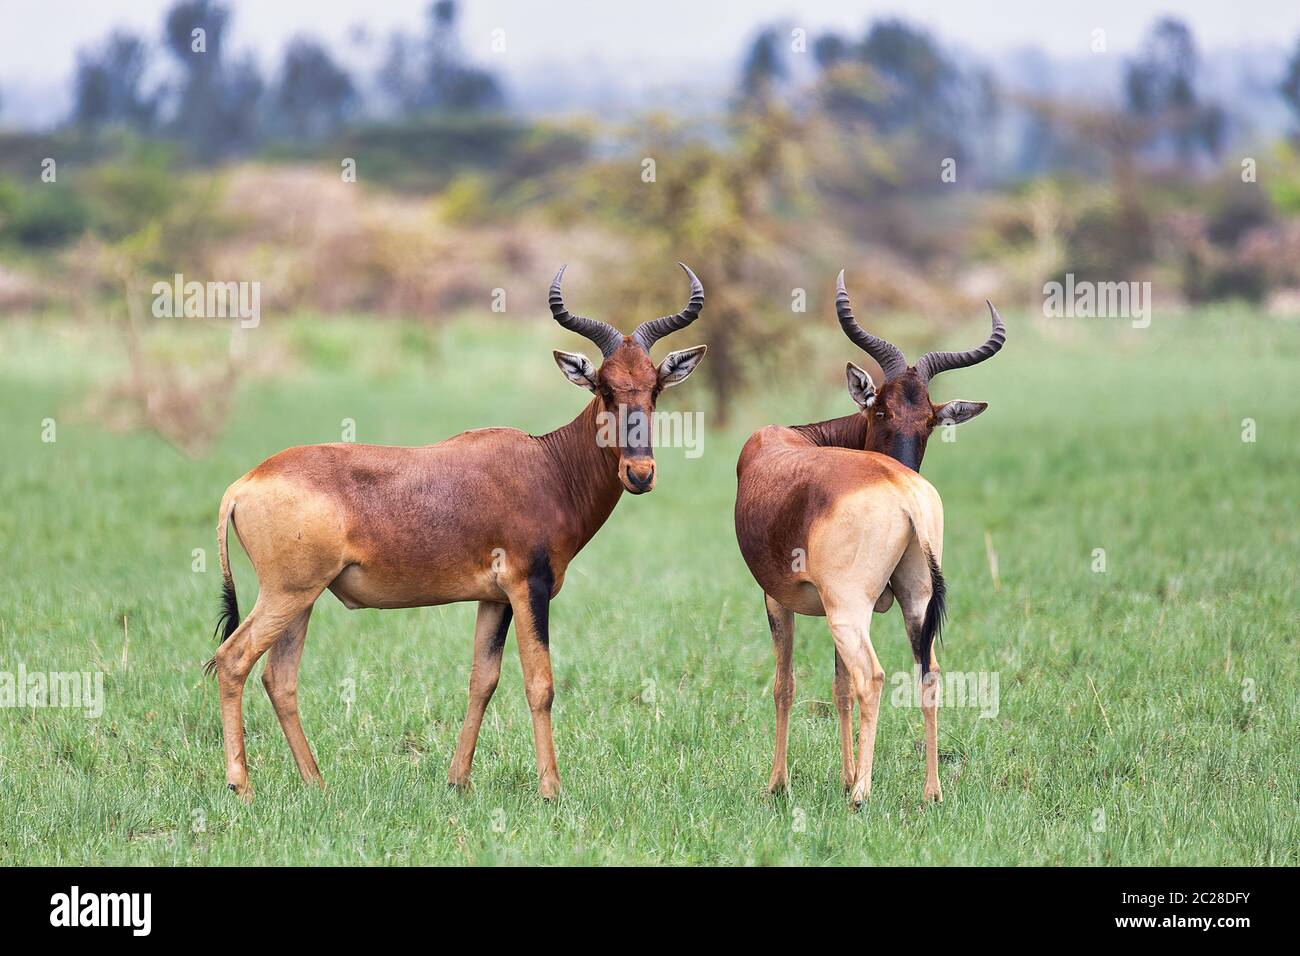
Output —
(314, 93)
(453, 84)
(1160, 89)
(216, 111)
(733, 223)
(830, 50)
(721, 206)
(762, 66)
(198, 93)
(899, 89)
(431, 74)
(108, 85)
(1111, 232)
(1290, 89)
(238, 114)
(1162, 78)
(920, 83)
(397, 79)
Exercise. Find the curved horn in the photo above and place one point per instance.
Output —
(647, 333)
(886, 354)
(606, 337)
(932, 363)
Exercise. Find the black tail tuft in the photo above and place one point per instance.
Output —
(934, 613)
(228, 622)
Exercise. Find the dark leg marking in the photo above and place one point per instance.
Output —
(499, 636)
(541, 582)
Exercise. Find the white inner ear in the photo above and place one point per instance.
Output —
(861, 388)
(677, 365)
(957, 411)
(577, 368)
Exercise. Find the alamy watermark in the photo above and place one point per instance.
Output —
(179, 299)
(978, 689)
(74, 690)
(1102, 300)
(132, 911)
(632, 428)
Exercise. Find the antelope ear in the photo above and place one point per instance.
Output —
(677, 365)
(956, 412)
(577, 368)
(861, 388)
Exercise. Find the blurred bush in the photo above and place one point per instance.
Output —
(32, 216)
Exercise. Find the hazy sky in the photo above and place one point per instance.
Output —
(644, 42)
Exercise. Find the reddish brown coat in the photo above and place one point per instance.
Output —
(492, 515)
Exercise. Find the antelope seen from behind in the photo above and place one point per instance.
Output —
(492, 515)
(833, 520)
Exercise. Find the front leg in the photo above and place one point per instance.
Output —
(850, 624)
(843, 695)
(531, 602)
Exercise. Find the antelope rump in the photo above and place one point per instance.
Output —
(833, 520)
(492, 515)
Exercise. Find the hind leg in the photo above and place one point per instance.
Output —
(850, 624)
(280, 678)
(914, 588)
(490, 629)
(781, 621)
(271, 615)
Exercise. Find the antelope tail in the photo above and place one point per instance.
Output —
(935, 611)
(228, 622)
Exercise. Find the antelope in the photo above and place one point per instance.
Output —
(491, 515)
(834, 520)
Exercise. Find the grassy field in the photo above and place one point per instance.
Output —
(1146, 715)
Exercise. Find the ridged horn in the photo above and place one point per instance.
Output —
(647, 333)
(886, 354)
(606, 337)
(932, 363)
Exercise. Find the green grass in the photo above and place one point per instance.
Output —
(1120, 693)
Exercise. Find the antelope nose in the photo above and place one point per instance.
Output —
(641, 476)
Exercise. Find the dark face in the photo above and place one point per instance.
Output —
(900, 420)
(900, 415)
(627, 386)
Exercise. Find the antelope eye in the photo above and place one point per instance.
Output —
(880, 414)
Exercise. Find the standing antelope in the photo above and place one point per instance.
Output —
(491, 515)
(833, 519)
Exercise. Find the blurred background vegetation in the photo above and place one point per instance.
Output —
(830, 153)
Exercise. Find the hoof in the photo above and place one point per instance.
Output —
(861, 794)
(244, 793)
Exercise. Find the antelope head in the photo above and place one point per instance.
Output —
(628, 383)
(900, 415)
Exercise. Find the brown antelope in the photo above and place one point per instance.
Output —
(833, 519)
(491, 515)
